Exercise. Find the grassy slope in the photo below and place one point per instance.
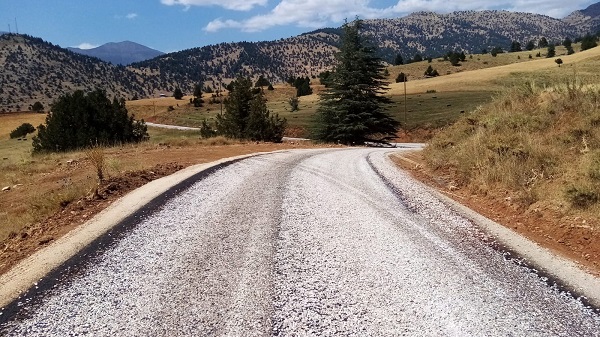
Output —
(538, 142)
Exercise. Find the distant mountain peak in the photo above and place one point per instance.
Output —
(124, 53)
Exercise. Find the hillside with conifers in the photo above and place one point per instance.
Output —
(37, 71)
(34, 70)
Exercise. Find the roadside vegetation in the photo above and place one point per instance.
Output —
(81, 120)
(540, 145)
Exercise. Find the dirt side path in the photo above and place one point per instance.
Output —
(570, 237)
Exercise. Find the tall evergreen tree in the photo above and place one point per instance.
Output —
(232, 122)
(178, 94)
(588, 42)
(530, 46)
(398, 60)
(515, 47)
(352, 110)
(262, 125)
(551, 51)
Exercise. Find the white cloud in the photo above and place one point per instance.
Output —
(320, 13)
(557, 9)
(86, 45)
(304, 13)
(131, 16)
(236, 5)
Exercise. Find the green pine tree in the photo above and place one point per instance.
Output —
(232, 122)
(80, 120)
(246, 115)
(352, 110)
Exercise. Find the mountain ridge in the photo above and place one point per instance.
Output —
(36, 70)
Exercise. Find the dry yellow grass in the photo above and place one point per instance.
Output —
(538, 143)
(488, 78)
(9, 122)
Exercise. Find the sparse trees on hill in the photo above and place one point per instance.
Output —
(353, 110)
(81, 120)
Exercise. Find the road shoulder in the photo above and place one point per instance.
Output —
(576, 275)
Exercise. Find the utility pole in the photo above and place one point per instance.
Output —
(220, 97)
(16, 26)
(405, 80)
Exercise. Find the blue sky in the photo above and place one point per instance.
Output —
(172, 25)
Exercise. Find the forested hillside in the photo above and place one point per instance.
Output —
(34, 70)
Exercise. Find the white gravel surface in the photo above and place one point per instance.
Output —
(304, 243)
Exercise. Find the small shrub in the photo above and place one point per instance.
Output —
(37, 107)
(559, 62)
(22, 130)
(206, 131)
(431, 91)
(582, 197)
(294, 103)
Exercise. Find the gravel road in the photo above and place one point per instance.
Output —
(302, 243)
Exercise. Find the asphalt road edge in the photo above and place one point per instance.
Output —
(567, 272)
